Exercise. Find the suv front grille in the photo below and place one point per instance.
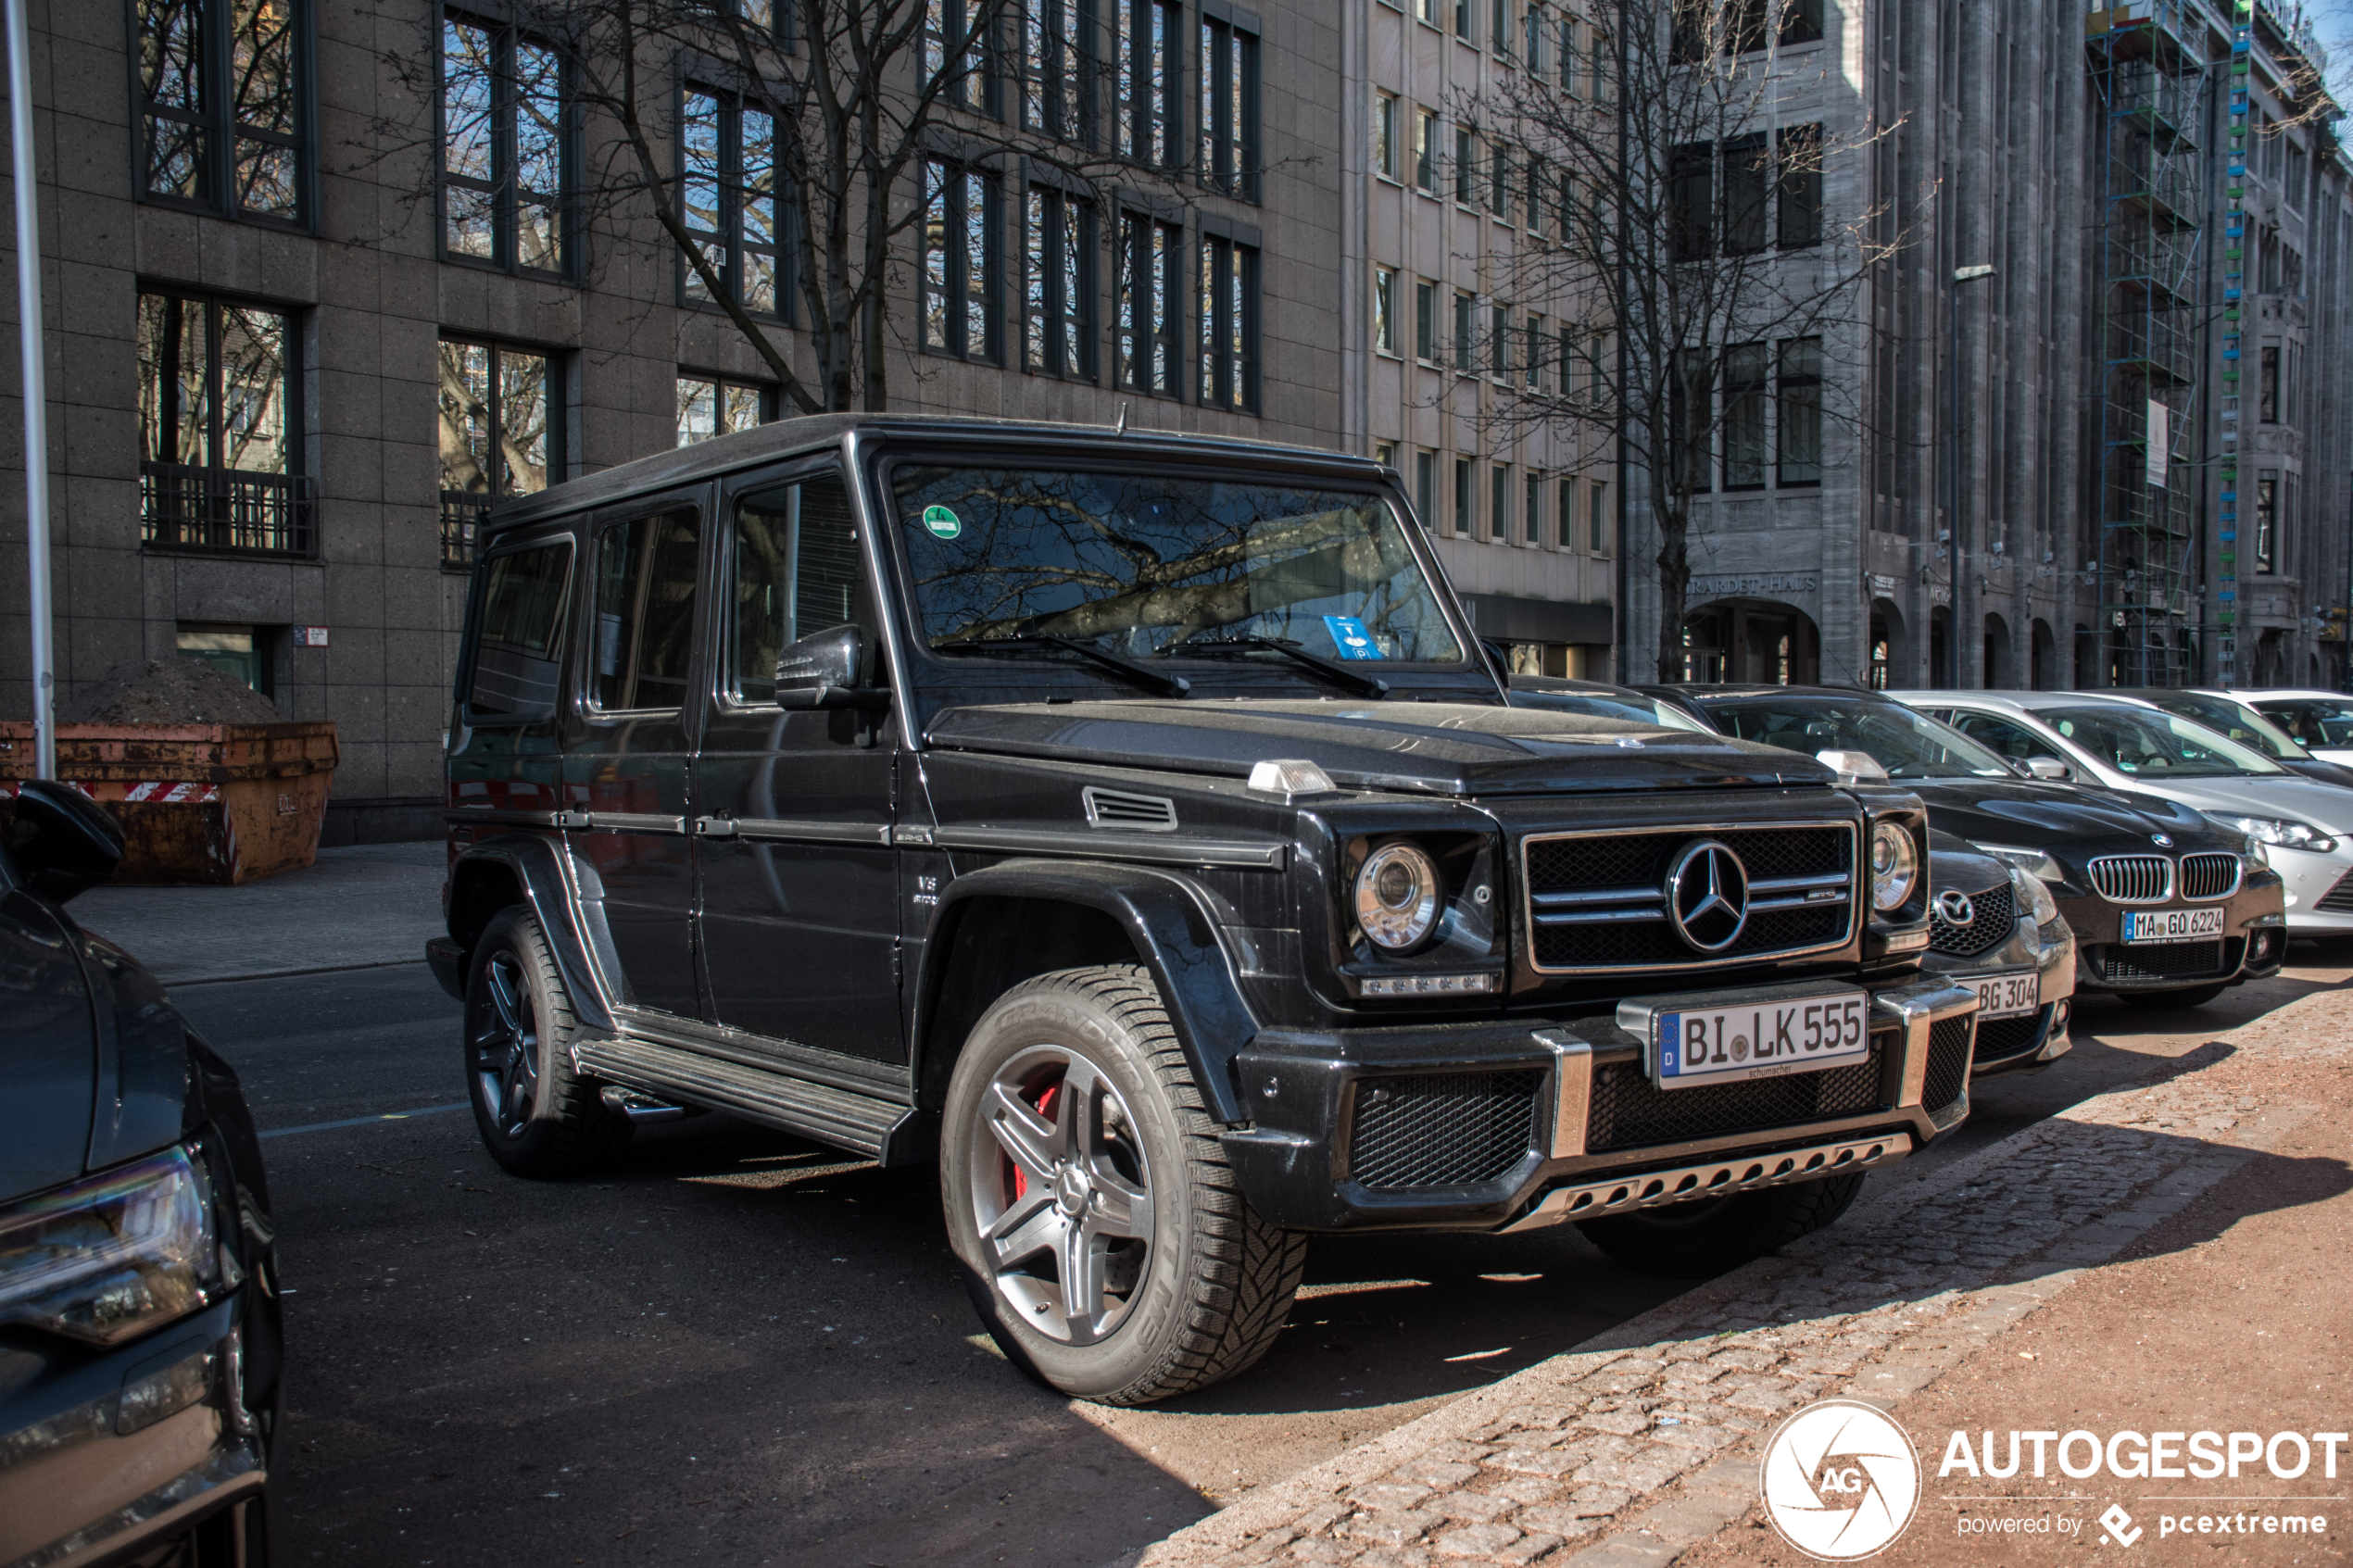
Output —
(1997, 918)
(2134, 879)
(2007, 1037)
(2210, 876)
(1627, 1111)
(1948, 1058)
(1442, 1129)
(1597, 901)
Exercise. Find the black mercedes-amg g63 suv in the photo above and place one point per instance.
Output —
(1132, 825)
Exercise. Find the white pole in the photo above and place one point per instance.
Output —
(36, 395)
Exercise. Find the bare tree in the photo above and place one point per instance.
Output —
(1679, 193)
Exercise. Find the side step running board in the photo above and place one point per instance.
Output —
(876, 1128)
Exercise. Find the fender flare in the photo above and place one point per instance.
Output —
(1167, 920)
(568, 896)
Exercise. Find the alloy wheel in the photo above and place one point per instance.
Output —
(506, 1046)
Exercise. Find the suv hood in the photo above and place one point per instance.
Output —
(1427, 747)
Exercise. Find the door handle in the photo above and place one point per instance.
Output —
(714, 827)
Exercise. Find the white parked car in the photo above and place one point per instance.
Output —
(2322, 722)
(2105, 742)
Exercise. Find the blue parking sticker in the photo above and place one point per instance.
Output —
(1349, 637)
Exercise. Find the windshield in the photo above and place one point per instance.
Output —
(2241, 724)
(1627, 707)
(1908, 745)
(2315, 721)
(1136, 563)
(2155, 745)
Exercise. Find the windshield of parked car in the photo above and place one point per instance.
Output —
(1908, 745)
(2155, 745)
(1627, 707)
(2313, 721)
(2239, 722)
(1135, 563)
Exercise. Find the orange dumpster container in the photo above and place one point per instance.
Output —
(206, 802)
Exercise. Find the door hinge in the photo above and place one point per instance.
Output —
(897, 963)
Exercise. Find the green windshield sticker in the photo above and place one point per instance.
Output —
(943, 523)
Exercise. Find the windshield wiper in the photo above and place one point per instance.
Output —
(1126, 669)
(1213, 647)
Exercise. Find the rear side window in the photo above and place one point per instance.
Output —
(645, 612)
(2014, 740)
(796, 573)
(523, 613)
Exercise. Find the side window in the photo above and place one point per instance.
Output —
(2013, 741)
(797, 572)
(645, 612)
(518, 654)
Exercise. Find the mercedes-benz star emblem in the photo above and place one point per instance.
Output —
(1707, 896)
(1953, 907)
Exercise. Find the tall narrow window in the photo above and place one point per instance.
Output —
(1463, 19)
(1465, 498)
(1499, 341)
(1058, 257)
(959, 276)
(1801, 21)
(710, 406)
(1425, 488)
(501, 433)
(1800, 187)
(1145, 52)
(1531, 369)
(1691, 202)
(2267, 523)
(2267, 394)
(1385, 135)
(1691, 406)
(505, 151)
(1229, 108)
(1539, 179)
(1465, 165)
(1801, 411)
(1426, 321)
(1747, 194)
(225, 98)
(1426, 151)
(1466, 333)
(1569, 57)
(1150, 253)
(1498, 26)
(956, 52)
(1567, 382)
(1499, 182)
(1531, 518)
(1747, 369)
(1499, 504)
(728, 201)
(1385, 309)
(1229, 325)
(1535, 32)
(1568, 514)
(1597, 501)
(1058, 68)
(220, 459)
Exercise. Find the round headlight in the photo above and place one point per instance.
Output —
(2032, 897)
(1896, 867)
(1397, 897)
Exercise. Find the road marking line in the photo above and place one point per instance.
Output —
(366, 1121)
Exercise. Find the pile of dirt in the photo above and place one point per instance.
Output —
(168, 690)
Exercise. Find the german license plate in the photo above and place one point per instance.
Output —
(1763, 1039)
(2008, 996)
(2172, 925)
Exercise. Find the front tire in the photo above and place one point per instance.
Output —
(536, 1116)
(1714, 1236)
(2186, 996)
(1104, 1241)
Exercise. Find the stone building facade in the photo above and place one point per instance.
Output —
(301, 326)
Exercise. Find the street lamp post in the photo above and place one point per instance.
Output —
(1953, 472)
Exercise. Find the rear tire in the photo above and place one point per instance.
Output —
(536, 1116)
(1714, 1235)
(1102, 1236)
(2188, 997)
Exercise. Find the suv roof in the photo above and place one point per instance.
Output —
(816, 433)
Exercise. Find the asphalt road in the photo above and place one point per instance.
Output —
(741, 1346)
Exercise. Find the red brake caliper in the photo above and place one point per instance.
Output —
(1045, 1109)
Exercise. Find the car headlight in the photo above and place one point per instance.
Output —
(2036, 863)
(1896, 867)
(2277, 832)
(113, 1256)
(1397, 897)
(2032, 897)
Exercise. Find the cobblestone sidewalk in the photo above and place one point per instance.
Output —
(1623, 1454)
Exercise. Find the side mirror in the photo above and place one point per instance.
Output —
(2049, 768)
(61, 842)
(1853, 767)
(822, 670)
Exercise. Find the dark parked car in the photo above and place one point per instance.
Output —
(2168, 908)
(1130, 823)
(139, 1322)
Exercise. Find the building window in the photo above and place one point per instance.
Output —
(1385, 309)
(1426, 151)
(1597, 517)
(1499, 341)
(1058, 257)
(710, 406)
(1229, 325)
(1690, 219)
(727, 200)
(220, 447)
(1747, 369)
(1691, 400)
(1385, 453)
(1057, 66)
(1465, 498)
(1567, 503)
(958, 275)
(1426, 486)
(956, 51)
(1800, 185)
(1751, 25)
(1532, 371)
(1538, 181)
(1499, 183)
(1148, 79)
(501, 434)
(1568, 361)
(1538, 26)
(2267, 523)
(1465, 165)
(1385, 135)
(1532, 519)
(505, 154)
(2267, 396)
(1424, 321)
(1229, 108)
(224, 90)
(1499, 503)
(1149, 250)
(1800, 455)
(1498, 28)
(1463, 19)
(1747, 185)
(1466, 333)
(1597, 56)
(1426, 10)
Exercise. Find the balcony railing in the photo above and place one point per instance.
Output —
(461, 515)
(232, 511)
